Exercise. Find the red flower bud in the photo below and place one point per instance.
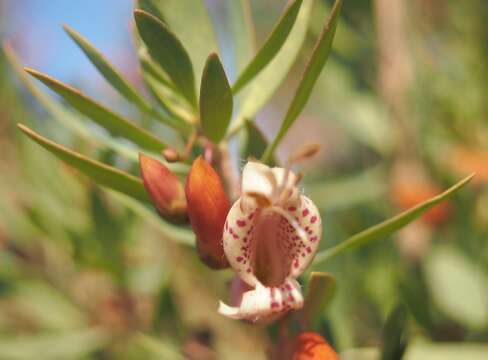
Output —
(164, 188)
(312, 346)
(208, 206)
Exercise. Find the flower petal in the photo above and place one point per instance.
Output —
(164, 188)
(247, 233)
(308, 217)
(208, 206)
(263, 302)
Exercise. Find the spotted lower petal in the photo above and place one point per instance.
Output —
(263, 302)
(269, 244)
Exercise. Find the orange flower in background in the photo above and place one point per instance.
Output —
(464, 160)
(407, 193)
(412, 186)
(312, 346)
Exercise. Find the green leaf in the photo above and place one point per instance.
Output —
(255, 142)
(314, 67)
(270, 47)
(108, 70)
(113, 122)
(458, 287)
(101, 174)
(389, 226)
(215, 100)
(190, 21)
(321, 290)
(167, 50)
(395, 335)
(269, 79)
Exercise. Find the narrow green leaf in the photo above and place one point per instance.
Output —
(321, 290)
(167, 50)
(114, 77)
(113, 122)
(64, 116)
(100, 173)
(395, 334)
(269, 79)
(190, 21)
(389, 226)
(312, 71)
(270, 47)
(215, 100)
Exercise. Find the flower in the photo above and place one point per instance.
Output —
(271, 235)
(164, 188)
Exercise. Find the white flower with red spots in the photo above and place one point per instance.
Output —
(270, 236)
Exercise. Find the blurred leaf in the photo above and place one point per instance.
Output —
(314, 67)
(49, 308)
(419, 351)
(270, 47)
(167, 50)
(189, 20)
(348, 191)
(157, 348)
(108, 70)
(267, 81)
(242, 30)
(389, 226)
(175, 233)
(458, 287)
(103, 116)
(73, 344)
(321, 290)
(215, 100)
(101, 174)
(395, 335)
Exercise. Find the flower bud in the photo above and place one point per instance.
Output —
(312, 346)
(164, 188)
(208, 206)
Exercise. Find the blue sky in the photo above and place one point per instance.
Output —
(34, 28)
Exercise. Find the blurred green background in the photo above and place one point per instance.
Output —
(401, 112)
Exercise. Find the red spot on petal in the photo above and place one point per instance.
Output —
(309, 249)
(239, 258)
(292, 208)
(305, 212)
(313, 219)
(241, 223)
